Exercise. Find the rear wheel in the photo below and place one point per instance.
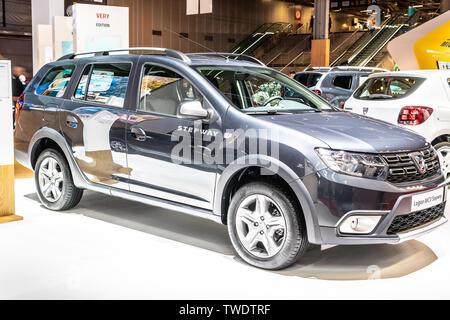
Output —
(266, 226)
(443, 150)
(54, 182)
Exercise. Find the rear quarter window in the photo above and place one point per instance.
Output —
(302, 78)
(387, 88)
(343, 82)
(308, 79)
(55, 82)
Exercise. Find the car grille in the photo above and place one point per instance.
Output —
(402, 168)
(416, 219)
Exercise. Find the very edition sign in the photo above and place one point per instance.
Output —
(98, 27)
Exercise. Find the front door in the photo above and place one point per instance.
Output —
(94, 121)
(158, 165)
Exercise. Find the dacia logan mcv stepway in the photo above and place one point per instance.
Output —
(223, 137)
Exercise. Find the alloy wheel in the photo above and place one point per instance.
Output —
(444, 157)
(261, 226)
(51, 179)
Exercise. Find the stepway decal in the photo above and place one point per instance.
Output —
(196, 130)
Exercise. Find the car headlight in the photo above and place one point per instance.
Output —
(355, 164)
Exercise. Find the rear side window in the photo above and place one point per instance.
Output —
(308, 79)
(55, 82)
(387, 88)
(344, 82)
(302, 78)
(106, 83)
(313, 79)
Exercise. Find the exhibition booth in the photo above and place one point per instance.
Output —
(314, 177)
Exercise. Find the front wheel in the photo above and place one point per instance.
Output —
(54, 183)
(266, 226)
(443, 151)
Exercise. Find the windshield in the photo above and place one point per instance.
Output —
(260, 90)
(387, 88)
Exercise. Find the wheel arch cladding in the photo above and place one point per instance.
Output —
(236, 175)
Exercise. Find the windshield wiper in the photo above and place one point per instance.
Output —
(270, 112)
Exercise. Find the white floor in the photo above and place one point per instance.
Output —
(108, 248)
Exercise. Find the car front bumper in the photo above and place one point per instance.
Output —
(339, 197)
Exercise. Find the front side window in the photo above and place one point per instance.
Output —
(261, 90)
(344, 82)
(163, 90)
(55, 82)
(106, 83)
(387, 88)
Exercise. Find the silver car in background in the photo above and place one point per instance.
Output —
(335, 84)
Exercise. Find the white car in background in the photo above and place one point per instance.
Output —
(418, 100)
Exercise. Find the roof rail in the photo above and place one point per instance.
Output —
(235, 56)
(169, 52)
(318, 68)
(348, 68)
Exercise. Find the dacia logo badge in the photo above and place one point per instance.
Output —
(365, 110)
(419, 161)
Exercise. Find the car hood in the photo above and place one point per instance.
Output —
(351, 132)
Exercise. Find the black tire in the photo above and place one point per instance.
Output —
(444, 167)
(296, 240)
(70, 194)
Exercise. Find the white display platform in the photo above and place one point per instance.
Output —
(109, 248)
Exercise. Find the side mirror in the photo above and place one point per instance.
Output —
(193, 109)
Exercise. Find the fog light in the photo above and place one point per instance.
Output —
(359, 224)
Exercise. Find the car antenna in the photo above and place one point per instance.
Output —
(195, 42)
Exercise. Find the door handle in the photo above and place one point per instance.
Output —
(138, 133)
(71, 122)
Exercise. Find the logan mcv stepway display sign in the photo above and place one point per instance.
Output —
(99, 27)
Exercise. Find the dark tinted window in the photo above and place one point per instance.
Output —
(302, 78)
(163, 90)
(308, 79)
(314, 79)
(387, 88)
(55, 82)
(344, 82)
(107, 83)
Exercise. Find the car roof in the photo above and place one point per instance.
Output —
(194, 59)
(205, 59)
(414, 73)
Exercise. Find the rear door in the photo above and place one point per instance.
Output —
(43, 98)
(339, 89)
(94, 119)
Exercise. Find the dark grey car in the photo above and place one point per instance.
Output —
(223, 137)
(335, 84)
